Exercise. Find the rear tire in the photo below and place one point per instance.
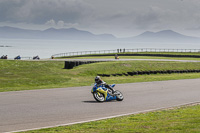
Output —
(119, 95)
(98, 98)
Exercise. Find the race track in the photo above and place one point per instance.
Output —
(35, 109)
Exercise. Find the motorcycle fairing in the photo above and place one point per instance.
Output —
(113, 85)
(104, 91)
(107, 96)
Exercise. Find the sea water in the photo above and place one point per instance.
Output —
(28, 48)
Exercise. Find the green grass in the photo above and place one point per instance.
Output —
(179, 120)
(23, 75)
(128, 66)
(28, 75)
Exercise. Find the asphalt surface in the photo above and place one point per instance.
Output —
(35, 109)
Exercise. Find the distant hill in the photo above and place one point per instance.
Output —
(75, 34)
(52, 33)
(163, 36)
(11, 32)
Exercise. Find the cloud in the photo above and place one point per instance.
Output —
(60, 24)
(103, 16)
(40, 11)
(51, 22)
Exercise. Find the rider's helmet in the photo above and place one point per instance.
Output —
(97, 79)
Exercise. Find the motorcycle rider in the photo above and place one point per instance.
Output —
(99, 81)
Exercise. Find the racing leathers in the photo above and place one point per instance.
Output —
(101, 82)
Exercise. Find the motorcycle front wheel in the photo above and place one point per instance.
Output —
(99, 98)
(119, 95)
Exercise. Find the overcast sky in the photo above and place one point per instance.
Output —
(122, 18)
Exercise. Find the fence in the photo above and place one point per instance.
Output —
(84, 53)
(79, 53)
(26, 58)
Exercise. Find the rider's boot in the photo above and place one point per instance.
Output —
(113, 91)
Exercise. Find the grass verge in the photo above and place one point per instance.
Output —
(28, 75)
(184, 119)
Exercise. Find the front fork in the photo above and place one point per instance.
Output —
(100, 90)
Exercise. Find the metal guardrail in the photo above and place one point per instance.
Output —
(84, 53)
(22, 58)
(26, 58)
(79, 53)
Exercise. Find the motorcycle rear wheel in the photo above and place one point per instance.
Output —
(99, 98)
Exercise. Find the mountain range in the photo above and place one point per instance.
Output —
(75, 34)
(164, 36)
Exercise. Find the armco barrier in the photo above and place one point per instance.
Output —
(154, 55)
(123, 51)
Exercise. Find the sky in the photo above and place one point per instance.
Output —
(122, 18)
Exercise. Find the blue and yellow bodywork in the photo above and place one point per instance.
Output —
(103, 90)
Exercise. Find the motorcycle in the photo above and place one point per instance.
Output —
(101, 93)
(36, 58)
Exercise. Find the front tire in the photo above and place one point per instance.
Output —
(119, 95)
(99, 98)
